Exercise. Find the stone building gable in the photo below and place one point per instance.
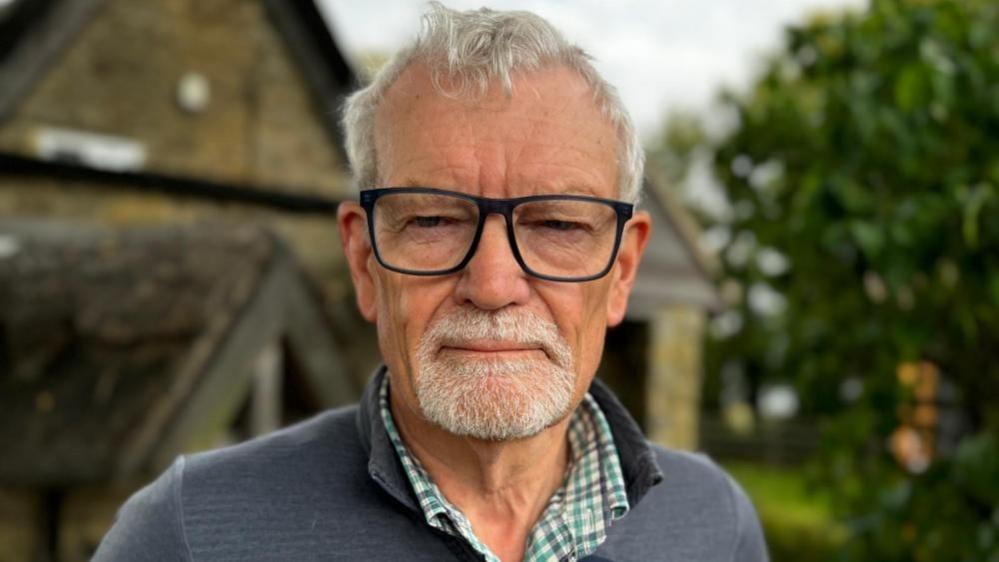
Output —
(120, 76)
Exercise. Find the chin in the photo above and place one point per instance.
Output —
(494, 400)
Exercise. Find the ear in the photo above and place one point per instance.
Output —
(352, 224)
(634, 239)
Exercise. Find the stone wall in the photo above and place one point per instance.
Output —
(673, 384)
(120, 77)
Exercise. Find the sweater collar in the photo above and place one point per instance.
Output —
(383, 464)
(638, 462)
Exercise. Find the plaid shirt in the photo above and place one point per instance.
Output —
(577, 517)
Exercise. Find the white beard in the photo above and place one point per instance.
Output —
(494, 399)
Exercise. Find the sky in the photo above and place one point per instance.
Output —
(661, 54)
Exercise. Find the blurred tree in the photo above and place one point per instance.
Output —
(863, 238)
(676, 148)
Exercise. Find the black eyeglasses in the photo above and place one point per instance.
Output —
(426, 231)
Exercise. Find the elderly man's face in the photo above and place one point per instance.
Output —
(490, 351)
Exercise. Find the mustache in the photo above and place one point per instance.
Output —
(521, 327)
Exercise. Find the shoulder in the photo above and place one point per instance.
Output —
(283, 470)
(697, 509)
(693, 475)
(329, 439)
(148, 526)
(693, 485)
(237, 484)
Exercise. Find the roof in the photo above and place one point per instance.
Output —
(71, 174)
(33, 34)
(117, 347)
(674, 269)
(320, 58)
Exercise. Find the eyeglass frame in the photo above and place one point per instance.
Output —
(491, 206)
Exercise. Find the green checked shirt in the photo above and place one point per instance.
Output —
(576, 520)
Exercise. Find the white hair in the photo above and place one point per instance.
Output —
(470, 50)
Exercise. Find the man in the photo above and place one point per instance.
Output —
(493, 244)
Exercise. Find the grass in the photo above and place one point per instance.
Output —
(797, 519)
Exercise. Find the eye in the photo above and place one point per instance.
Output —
(561, 226)
(428, 222)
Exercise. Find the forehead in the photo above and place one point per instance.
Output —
(548, 135)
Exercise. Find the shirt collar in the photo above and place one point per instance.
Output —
(638, 463)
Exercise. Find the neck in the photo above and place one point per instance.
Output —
(501, 486)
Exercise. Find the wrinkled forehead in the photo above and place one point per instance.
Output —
(551, 111)
(477, 87)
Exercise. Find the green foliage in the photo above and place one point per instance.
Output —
(684, 136)
(867, 154)
(796, 515)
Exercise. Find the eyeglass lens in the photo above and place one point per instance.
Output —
(424, 232)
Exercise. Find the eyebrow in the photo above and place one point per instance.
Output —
(587, 190)
(572, 190)
(410, 182)
(569, 189)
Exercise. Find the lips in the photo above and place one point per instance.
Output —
(503, 334)
(490, 346)
(484, 349)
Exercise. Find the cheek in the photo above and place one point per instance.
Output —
(593, 332)
(580, 310)
(406, 306)
(391, 322)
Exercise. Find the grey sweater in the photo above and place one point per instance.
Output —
(332, 488)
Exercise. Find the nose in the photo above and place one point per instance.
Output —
(493, 279)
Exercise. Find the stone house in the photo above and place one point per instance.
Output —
(209, 127)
